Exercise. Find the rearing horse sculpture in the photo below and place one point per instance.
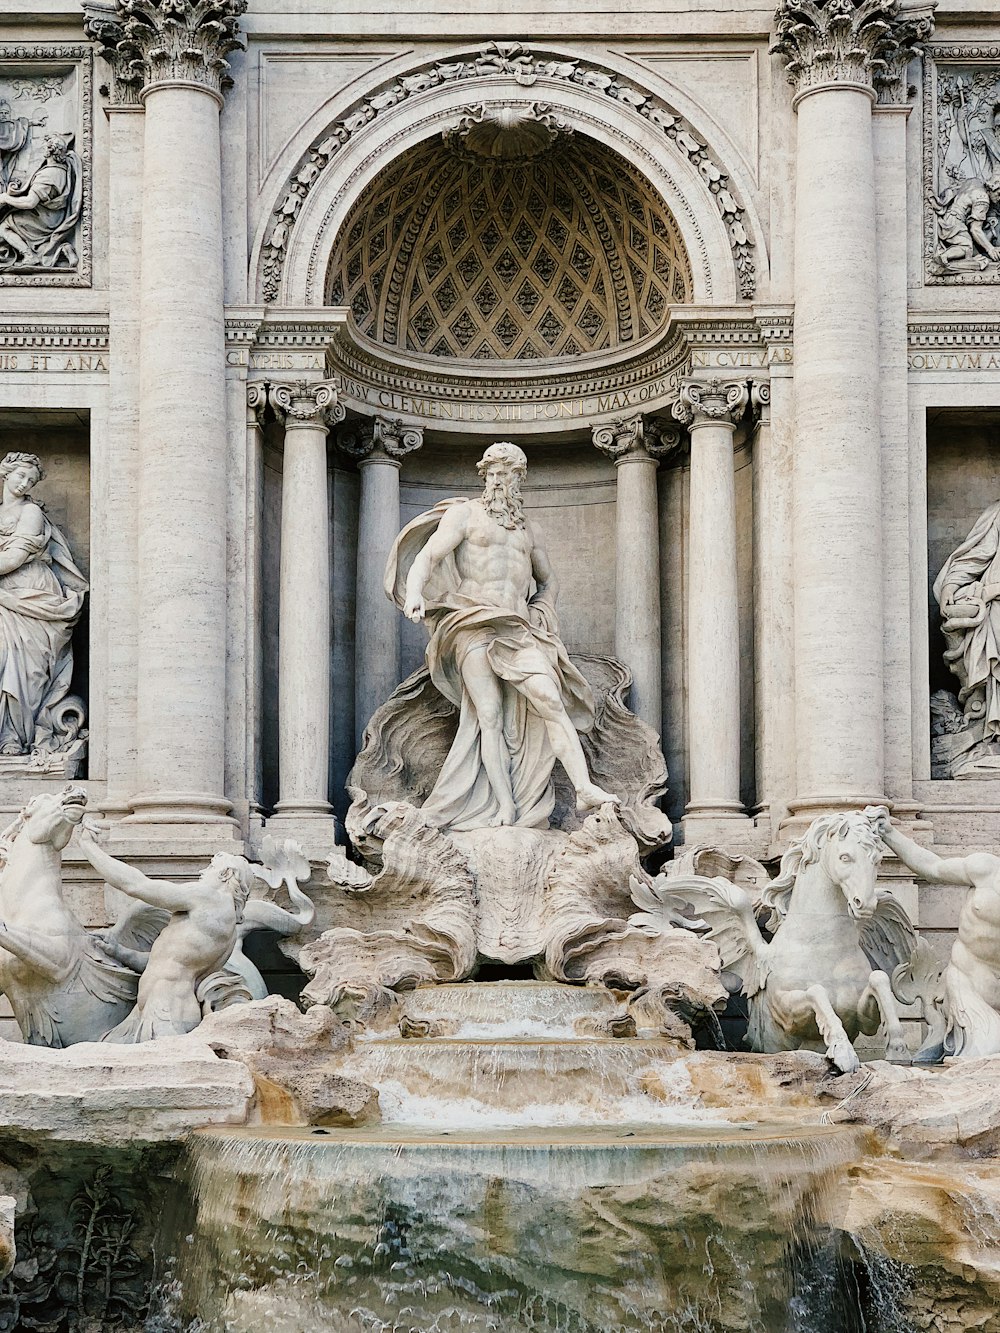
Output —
(823, 976)
(62, 987)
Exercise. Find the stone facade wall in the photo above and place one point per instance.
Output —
(891, 420)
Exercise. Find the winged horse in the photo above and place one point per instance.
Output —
(823, 976)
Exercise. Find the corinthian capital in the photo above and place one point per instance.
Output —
(165, 41)
(103, 25)
(867, 42)
(702, 402)
(305, 403)
(386, 437)
(636, 437)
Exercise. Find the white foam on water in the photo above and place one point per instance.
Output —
(519, 1029)
(675, 1104)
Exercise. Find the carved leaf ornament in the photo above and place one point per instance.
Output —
(849, 41)
(526, 67)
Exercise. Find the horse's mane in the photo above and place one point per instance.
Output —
(805, 852)
(9, 836)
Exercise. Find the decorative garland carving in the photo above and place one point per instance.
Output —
(714, 399)
(527, 67)
(306, 403)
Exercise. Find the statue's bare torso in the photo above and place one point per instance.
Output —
(493, 562)
(977, 949)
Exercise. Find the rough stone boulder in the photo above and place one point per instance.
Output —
(293, 1057)
(954, 1106)
(8, 1251)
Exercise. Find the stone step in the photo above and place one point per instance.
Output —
(466, 1082)
(511, 1010)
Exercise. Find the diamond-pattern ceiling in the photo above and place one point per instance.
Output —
(568, 253)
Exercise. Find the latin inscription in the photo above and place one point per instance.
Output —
(568, 409)
(743, 358)
(54, 361)
(953, 360)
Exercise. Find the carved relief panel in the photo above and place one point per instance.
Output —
(962, 164)
(45, 165)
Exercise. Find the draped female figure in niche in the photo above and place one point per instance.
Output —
(41, 597)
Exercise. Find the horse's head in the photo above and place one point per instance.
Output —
(49, 817)
(847, 849)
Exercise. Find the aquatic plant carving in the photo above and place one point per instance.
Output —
(90, 1278)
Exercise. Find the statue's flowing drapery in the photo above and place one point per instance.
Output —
(973, 649)
(47, 229)
(40, 602)
(516, 647)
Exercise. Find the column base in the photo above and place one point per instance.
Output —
(725, 825)
(804, 809)
(312, 824)
(183, 816)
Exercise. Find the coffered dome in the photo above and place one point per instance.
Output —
(456, 250)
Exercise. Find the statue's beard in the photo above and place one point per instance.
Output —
(502, 500)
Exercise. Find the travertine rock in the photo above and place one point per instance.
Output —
(8, 1247)
(98, 1093)
(917, 1108)
(293, 1057)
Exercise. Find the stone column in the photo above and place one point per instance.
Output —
(181, 48)
(711, 409)
(304, 611)
(379, 446)
(252, 695)
(636, 448)
(837, 55)
(121, 443)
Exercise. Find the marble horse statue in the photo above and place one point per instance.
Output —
(62, 986)
(818, 973)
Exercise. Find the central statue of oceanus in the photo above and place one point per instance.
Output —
(504, 795)
(466, 567)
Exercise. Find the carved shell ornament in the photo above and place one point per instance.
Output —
(506, 133)
(527, 67)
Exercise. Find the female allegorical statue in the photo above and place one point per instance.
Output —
(41, 597)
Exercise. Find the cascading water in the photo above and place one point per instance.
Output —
(515, 1184)
(581, 1231)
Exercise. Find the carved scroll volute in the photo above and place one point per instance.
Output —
(638, 436)
(386, 437)
(305, 403)
(718, 400)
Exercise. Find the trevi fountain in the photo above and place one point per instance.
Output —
(499, 667)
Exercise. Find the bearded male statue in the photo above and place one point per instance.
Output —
(467, 567)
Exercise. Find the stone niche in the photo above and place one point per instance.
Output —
(963, 482)
(61, 439)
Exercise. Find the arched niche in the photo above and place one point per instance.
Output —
(294, 245)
